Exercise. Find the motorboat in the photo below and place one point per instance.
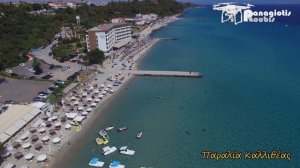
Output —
(122, 129)
(101, 141)
(116, 164)
(108, 150)
(139, 135)
(124, 150)
(96, 163)
(109, 128)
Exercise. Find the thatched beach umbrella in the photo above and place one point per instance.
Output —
(68, 126)
(16, 144)
(89, 99)
(42, 130)
(18, 155)
(32, 129)
(41, 158)
(56, 140)
(38, 146)
(28, 156)
(45, 138)
(52, 132)
(26, 145)
(80, 108)
(34, 137)
(89, 109)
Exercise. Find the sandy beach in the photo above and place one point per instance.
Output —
(112, 68)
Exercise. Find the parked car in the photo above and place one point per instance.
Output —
(22, 64)
(8, 102)
(8, 71)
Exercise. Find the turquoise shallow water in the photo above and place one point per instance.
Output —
(248, 98)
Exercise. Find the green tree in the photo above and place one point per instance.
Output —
(36, 65)
(2, 147)
(95, 57)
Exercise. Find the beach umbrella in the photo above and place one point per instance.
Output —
(45, 138)
(56, 140)
(18, 155)
(106, 89)
(41, 158)
(102, 86)
(28, 156)
(68, 126)
(80, 108)
(73, 98)
(52, 131)
(48, 124)
(91, 88)
(32, 129)
(93, 105)
(89, 99)
(76, 103)
(16, 144)
(97, 100)
(104, 92)
(34, 137)
(84, 113)
(26, 145)
(111, 90)
(101, 96)
(89, 109)
(109, 86)
(42, 130)
(96, 91)
(38, 146)
(84, 94)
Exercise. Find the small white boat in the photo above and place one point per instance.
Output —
(109, 128)
(139, 135)
(96, 163)
(116, 164)
(124, 150)
(122, 129)
(108, 150)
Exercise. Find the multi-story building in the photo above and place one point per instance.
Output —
(105, 36)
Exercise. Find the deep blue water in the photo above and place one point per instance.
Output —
(247, 100)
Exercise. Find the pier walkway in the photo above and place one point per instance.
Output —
(166, 73)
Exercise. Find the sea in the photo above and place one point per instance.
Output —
(248, 99)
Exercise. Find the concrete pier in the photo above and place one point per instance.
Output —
(167, 73)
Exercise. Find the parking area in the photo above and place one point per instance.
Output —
(21, 90)
(26, 70)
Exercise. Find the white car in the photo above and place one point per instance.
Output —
(22, 64)
(8, 71)
(31, 70)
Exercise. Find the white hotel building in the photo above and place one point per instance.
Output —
(106, 36)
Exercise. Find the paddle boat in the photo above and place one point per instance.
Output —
(101, 141)
(116, 164)
(103, 134)
(124, 150)
(96, 163)
(139, 135)
(108, 150)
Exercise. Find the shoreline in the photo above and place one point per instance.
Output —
(99, 111)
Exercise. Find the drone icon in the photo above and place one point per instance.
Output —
(230, 11)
